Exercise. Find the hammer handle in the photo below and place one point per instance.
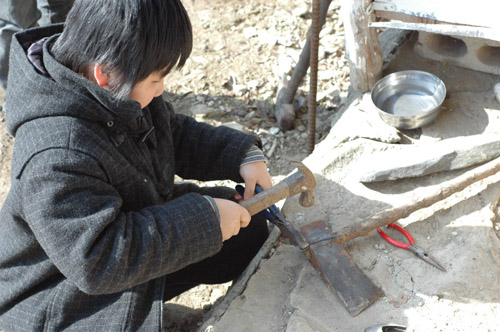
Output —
(290, 186)
(266, 198)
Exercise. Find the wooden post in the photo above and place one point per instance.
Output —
(362, 45)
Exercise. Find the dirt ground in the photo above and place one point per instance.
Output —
(242, 50)
(286, 294)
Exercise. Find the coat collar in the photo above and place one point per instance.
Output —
(123, 111)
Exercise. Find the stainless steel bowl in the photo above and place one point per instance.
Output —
(408, 99)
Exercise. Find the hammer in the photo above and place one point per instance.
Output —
(328, 256)
(301, 182)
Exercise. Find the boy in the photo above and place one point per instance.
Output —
(94, 233)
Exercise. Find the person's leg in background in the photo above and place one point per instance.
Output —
(15, 15)
(54, 11)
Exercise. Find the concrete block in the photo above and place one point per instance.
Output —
(468, 52)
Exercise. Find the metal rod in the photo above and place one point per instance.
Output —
(444, 190)
(313, 73)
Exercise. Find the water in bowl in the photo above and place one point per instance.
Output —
(409, 100)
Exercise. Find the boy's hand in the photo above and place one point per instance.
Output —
(255, 173)
(232, 217)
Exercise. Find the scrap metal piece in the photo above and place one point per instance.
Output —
(353, 288)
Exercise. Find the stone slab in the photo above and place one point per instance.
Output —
(421, 159)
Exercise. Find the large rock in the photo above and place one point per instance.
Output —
(422, 159)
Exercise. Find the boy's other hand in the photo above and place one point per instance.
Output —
(255, 173)
(232, 217)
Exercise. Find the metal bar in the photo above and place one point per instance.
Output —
(444, 29)
(313, 73)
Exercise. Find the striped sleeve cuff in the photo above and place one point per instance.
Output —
(253, 155)
(214, 206)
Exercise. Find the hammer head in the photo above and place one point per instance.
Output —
(305, 184)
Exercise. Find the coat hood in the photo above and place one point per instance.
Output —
(39, 86)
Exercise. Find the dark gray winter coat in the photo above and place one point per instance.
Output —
(93, 220)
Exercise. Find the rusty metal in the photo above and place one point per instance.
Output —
(306, 198)
(322, 248)
(338, 270)
(444, 190)
(313, 73)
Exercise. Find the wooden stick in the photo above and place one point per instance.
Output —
(446, 189)
(240, 284)
(285, 96)
(362, 45)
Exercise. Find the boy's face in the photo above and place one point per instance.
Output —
(150, 87)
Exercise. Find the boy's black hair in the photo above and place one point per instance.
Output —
(131, 38)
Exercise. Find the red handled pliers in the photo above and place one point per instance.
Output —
(419, 252)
